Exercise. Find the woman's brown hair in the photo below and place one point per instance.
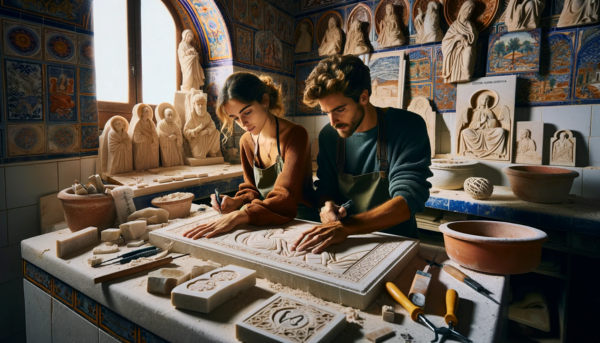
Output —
(247, 88)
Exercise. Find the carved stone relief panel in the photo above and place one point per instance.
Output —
(484, 118)
(562, 149)
(330, 36)
(529, 142)
(482, 16)
(283, 318)
(421, 106)
(358, 29)
(578, 12)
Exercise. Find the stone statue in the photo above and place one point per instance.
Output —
(390, 33)
(458, 47)
(578, 12)
(355, 44)
(428, 24)
(527, 149)
(562, 149)
(192, 73)
(120, 154)
(171, 140)
(304, 43)
(200, 130)
(484, 135)
(523, 15)
(332, 40)
(145, 139)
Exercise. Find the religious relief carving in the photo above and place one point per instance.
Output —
(523, 15)
(189, 59)
(578, 12)
(388, 29)
(304, 37)
(330, 41)
(529, 142)
(562, 149)
(483, 15)
(200, 130)
(421, 106)
(169, 135)
(120, 154)
(428, 24)
(359, 26)
(458, 47)
(142, 132)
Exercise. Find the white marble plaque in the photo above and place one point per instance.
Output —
(352, 273)
(529, 142)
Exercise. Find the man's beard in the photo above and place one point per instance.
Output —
(354, 123)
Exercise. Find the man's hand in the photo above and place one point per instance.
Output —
(228, 204)
(224, 224)
(332, 212)
(322, 235)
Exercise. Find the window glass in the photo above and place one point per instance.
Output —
(110, 39)
(159, 53)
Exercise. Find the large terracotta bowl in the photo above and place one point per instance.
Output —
(82, 211)
(451, 174)
(544, 185)
(494, 247)
(179, 208)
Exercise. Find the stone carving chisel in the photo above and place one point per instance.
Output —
(136, 269)
(131, 253)
(136, 256)
(460, 276)
(218, 199)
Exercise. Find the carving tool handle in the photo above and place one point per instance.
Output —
(135, 252)
(455, 273)
(413, 310)
(451, 305)
(218, 199)
(139, 255)
(132, 270)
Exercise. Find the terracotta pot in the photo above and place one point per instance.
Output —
(179, 208)
(451, 174)
(494, 247)
(544, 185)
(82, 211)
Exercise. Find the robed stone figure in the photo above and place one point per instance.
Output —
(458, 47)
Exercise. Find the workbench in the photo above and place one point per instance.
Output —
(63, 302)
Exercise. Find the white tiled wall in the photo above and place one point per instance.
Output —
(21, 186)
(583, 121)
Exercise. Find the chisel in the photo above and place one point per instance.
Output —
(462, 277)
(218, 199)
(131, 253)
(136, 256)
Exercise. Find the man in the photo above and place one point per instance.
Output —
(377, 157)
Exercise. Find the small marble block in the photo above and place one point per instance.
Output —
(76, 241)
(380, 335)
(106, 249)
(133, 230)
(208, 291)
(110, 235)
(283, 318)
(165, 279)
(387, 314)
(135, 243)
(115, 242)
(94, 260)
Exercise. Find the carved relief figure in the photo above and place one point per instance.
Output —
(355, 44)
(578, 12)
(171, 140)
(428, 24)
(390, 33)
(458, 47)
(563, 149)
(523, 15)
(145, 139)
(332, 40)
(304, 42)
(200, 130)
(420, 105)
(484, 135)
(192, 73)
(120, 154)
(527, 149)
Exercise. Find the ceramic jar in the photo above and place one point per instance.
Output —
(494, 247)
(83, 211)
(540, 184)
(451, 174)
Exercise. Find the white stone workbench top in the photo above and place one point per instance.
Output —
(478, 317)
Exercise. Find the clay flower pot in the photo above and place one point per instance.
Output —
(494, 247)
(177, 204)
(451, 174)
(82, 211)
(544, 185)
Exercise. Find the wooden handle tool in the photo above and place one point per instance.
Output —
(413, 310)
(460, 276)
(451, 306)
(136, 269)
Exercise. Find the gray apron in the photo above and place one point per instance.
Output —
(372, 189)
(264, 179)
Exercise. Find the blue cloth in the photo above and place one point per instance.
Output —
(409, 156)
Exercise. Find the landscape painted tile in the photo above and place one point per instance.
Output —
(514, 52)
(24, 90)
(421, 65)
(62, 105)
(587, 65)
(386, 81)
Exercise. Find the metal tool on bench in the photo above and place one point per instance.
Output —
(131, 253)
(418, 290)
(135, 269)
(462, 277)
(136, 256)
(450, 317)
(418, 314)
(218, 199)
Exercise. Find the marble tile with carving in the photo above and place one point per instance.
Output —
(283, 318)
(352, 273)
(529, 142)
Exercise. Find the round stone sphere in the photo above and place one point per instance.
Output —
(478, 188)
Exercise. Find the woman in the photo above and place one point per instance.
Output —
(275, 155)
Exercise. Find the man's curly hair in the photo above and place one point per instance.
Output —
(337, 74)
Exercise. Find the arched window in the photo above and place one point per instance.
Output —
(136, 54)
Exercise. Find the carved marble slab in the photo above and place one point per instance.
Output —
(529, 142)
(352, 273)
(562, 149)
(283, 318)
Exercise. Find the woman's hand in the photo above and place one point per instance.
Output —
(320, 237)
(224, 224)
(228, 204)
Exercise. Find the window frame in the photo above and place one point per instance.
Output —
(108, 109)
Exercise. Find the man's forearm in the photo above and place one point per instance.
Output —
(384, 216)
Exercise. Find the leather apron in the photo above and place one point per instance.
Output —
(372, 189)
(264, 179)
